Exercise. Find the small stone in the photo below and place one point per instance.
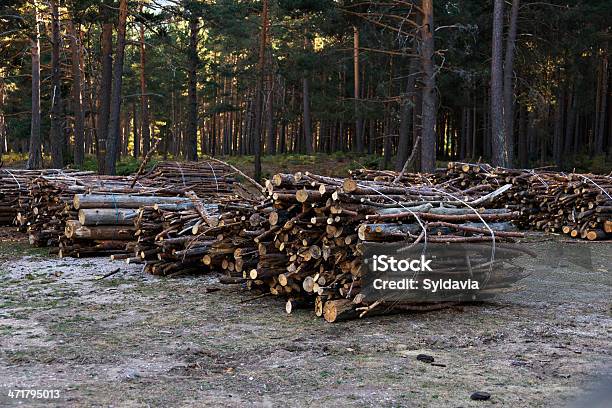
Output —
(480, 396)
(425, 358)
(132, 374)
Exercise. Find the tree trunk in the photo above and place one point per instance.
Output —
(522, 138)
(306, 116)
(509, 83)
(406, 117)
(558, 127)
(144, 100)
(105, 83)
(270, 122)
(57, 134)
(261, 70)
(192, 113)
(498, 144)
(114, 122)
(601, 125)
(358, 146)
(79, 117)
(35, 152)
(568, 141)
(136, 134)
(428, 116)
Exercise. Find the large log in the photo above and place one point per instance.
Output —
(107, 216)
(74, 230)
(82, 201)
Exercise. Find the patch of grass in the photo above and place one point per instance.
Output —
(111, 283)
(12, 158)
(12, 248)
(69, 324)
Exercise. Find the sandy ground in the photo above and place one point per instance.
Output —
(133, 340)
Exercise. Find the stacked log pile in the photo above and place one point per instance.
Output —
(104, 223)
(90, 215)
(205, 178)
(311, 251)
(49, 205)
(194, 235)
(14, 189)
(579, 205)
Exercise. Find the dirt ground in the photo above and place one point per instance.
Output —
(133, 340)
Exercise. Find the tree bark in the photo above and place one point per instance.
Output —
(270, 121)
(522, 138)
(428, 116)
(114, 120)
(601, 125)
(35, 152)
(306, 116)
(136, 134)
(558, 127)
(144, 100)
(406, 116)
(57, 134)
(261, 68)
(106, 43)
(498, 144)
(191, 147)
(79, 117)
(358, 146)
(509, 83)
(568, 140)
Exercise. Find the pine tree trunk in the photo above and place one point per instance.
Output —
(261, 71)
(522, 138)
(57, 134)
(531, 135)
(358, 146)
(115, 112)
(191, 147)
(271, 126)
(306, 116)
(79, 118)
(3, 135)
(570, 124)
(144, 99)
(509, 83)
(558, 127)
(136, 134)
(428, 121)
(105, 83)
(35, 152)
(601, 125)
(498, 144)
(406, 116)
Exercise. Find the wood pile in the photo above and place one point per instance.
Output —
(90, 215)
(49, 203)
(579, 205)
(14, 189)
(205, 178)
(194, 235)
(311, 249)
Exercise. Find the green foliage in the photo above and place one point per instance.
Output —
(584, 164)
(126, 166)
